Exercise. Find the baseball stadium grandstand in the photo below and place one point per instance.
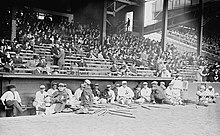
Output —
(107, 42)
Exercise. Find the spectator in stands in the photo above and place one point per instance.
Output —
(165, 73)
(108, 95)
(42, 66)
(41, 100)
(7, 61)
(11, 99)
(54, 53)
(133, 69)
(96, 93)
(144, 94)
(125, 94)
(32, 64)
(52, 89)
(114, 69)
(157, 95)
(61, 56)
(17, 48)
(124, 68)
(82, 63)
(200, 74)
(17, 60)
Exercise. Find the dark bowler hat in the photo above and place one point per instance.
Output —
(11, 86)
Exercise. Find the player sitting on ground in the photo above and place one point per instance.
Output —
(201, 96)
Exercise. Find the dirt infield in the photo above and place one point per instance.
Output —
(189, 120)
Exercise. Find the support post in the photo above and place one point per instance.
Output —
(164, 23)
(13, 24)
(200, 28)
(142, 15)
(104, 17)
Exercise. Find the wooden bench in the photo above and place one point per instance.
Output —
(7, 112)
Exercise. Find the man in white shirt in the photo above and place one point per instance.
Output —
(177, 89)
(125, 94)
(165, 73)
(11, 99)
(53, 89)
(41, 100)
(145, 94)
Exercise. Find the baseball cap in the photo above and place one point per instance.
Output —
(11, 86)
(162, 83)
(42, 86)
(108, 85)
(145, 83)
(124, 82)
(96, 84)
(88, 81)
(154, 82)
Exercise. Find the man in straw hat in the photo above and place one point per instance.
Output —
(11, 99)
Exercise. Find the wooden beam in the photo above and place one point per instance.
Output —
(128, 2)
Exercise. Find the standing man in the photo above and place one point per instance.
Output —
(125, 94)
(177, 89)
(11, 99)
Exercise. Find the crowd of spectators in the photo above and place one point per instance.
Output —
(211, 41)
(68, 38)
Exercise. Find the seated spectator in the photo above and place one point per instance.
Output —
(125, 94)
(7, 61)
(144, 94)
(42, 66)
(32, 64)
(108, 95)
(82, 63)
(11, 99)
(124, 68)
(114, 70)
(165, 73)
(133, 70)
(17, 60)
(42, 100)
